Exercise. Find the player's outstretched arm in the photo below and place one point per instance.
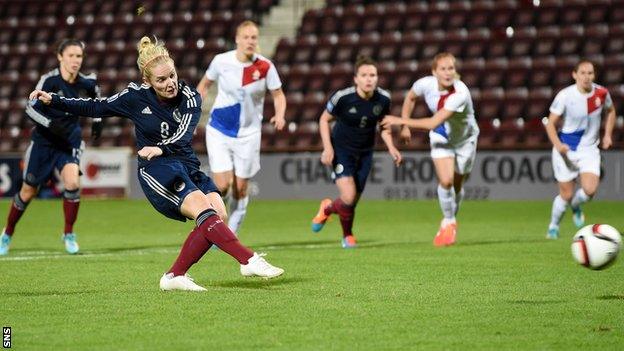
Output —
(41, 95)
(609, 125)
(551, 131)
(426, 123)
(327, 156)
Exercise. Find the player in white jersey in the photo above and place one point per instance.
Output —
(233, 131)
(575, 148)
(453, 133)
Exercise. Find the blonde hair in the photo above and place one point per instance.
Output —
(246, 23)
(438, 57)
(150, 53)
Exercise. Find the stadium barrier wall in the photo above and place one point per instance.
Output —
(105, 172)
(516, 175)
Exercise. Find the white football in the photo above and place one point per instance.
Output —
(596, 245)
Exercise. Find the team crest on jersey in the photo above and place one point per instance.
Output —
(377, 110)
(597, 101)
(255, 75)
(60, 93)
(177, 116)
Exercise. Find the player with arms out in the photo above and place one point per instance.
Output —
(56, 143)
(165, 113)
(453, 134)
(233, 131)
(348, 146)
(575, 151)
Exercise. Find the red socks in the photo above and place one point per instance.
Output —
(210, 230)
(18, 206)
(71, 203)
(346, 214)
(193, 249)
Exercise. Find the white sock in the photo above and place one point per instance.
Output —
(558, 209)
(238, 210)
(579, 198)
(447, 202)
(458, 199)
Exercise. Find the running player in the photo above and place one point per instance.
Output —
(165, 113)
(348, 147)
(233, 131)
(453, 133)
(56, 143)
(575, 151)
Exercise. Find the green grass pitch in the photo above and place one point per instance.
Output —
(503, 286)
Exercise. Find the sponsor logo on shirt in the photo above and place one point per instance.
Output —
(353, 110)
(146, 111)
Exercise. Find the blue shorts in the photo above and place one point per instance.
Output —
(353, 164)
(166, 182)
(40, 160)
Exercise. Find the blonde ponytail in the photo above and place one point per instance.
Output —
(151, 52)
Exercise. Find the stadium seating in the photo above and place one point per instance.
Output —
(512, 54)
(195, 31)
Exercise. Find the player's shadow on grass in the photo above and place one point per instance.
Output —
(258, 283)
(611, 297)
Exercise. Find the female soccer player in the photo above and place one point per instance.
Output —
(165, 113)
(575, 148)
(453, 135)
(56, 143)
(233, 131)
(348, 148)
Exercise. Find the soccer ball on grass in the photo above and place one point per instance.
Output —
(596, 246)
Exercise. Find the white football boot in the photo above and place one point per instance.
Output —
(258, 266)
(181, 282)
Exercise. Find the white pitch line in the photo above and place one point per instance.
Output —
(45, 255)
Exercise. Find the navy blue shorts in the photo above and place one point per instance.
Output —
(40, 160)
(166, 182)
(350, 164)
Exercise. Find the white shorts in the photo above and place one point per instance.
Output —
(586, 160)
(464, 152)
(240, 154)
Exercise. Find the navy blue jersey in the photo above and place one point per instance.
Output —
(168, 125)
(85, 86)
(357, 118)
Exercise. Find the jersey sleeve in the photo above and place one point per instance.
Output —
(419, 87)
(456, 102)
(273, 80)
(119, 104)
(608, 101)
(34, 108)
(558, 105)
(212, 73)
(333, 104)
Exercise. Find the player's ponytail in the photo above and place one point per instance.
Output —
(151, 52)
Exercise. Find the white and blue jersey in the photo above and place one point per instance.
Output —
(85, 86)
(462, 125)
(238, 107)
(581, 115)
(357, 118)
